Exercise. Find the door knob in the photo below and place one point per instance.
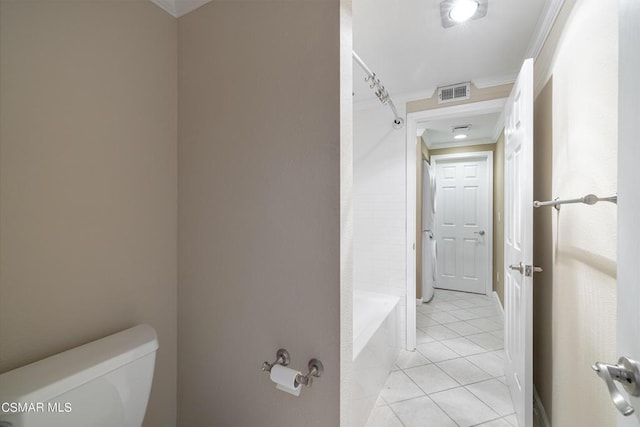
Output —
(627, 372)
(518, 267)
(527, 270)
(481, 232)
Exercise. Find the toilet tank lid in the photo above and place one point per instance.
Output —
(50, 377)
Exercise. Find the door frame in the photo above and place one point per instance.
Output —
(488, 156)
(412, 122)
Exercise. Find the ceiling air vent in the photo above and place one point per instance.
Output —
(452, 93)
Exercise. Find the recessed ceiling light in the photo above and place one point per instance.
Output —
(460, 132)
(455, 12)
(463, 10)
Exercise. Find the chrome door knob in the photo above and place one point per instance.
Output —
(481, 232)
(527, 270)
(517, 267)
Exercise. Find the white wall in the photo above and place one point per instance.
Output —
(585, 75)
(379, 192)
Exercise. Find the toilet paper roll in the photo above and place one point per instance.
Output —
(285, 378)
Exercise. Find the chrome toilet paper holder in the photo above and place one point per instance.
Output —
(316, 368)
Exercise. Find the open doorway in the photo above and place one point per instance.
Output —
(464, 246)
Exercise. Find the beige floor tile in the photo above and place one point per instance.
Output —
(422, 412)
(399, 387)
(383, 416)
(463, 407)
(463, 371)
(437, 352)
(431, 379)
(494, 394)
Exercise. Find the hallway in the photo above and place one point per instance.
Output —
(455, 378)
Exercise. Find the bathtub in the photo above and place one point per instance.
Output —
(375, 349)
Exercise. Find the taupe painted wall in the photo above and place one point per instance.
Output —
(259, 210)
(543, 247)
(575, 313)
(498, 218)
(88, 133)
(498, 203)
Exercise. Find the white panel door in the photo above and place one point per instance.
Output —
(518, 236)
(628, 340)
(462, 217)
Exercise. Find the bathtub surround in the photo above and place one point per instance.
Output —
(88, 141)
(376, 319)
(379, 206)
(259, 252)
(378, 250)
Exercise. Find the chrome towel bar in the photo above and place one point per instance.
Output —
(589, 199)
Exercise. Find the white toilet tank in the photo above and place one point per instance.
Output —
(105, 383)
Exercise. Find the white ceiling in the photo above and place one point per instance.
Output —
(485, 129)
(404, 43)
(177, 8)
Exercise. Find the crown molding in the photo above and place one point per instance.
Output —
(166, 5)
(398, 99)
(543, 27)
(497, 130)
(484, 83)
(468, 143)
(416, 95)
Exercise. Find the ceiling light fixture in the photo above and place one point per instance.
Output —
(463, 10)
(455, 12)
(460, 132)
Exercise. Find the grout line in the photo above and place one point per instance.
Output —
(427, 394)
(445, 412)
(396, 415)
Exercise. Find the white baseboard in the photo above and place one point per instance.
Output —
(538, 410)
(495, 295)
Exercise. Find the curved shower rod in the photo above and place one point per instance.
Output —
(379, 90)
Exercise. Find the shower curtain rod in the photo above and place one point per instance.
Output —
(379, 90)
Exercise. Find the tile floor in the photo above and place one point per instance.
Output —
(455, 378)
